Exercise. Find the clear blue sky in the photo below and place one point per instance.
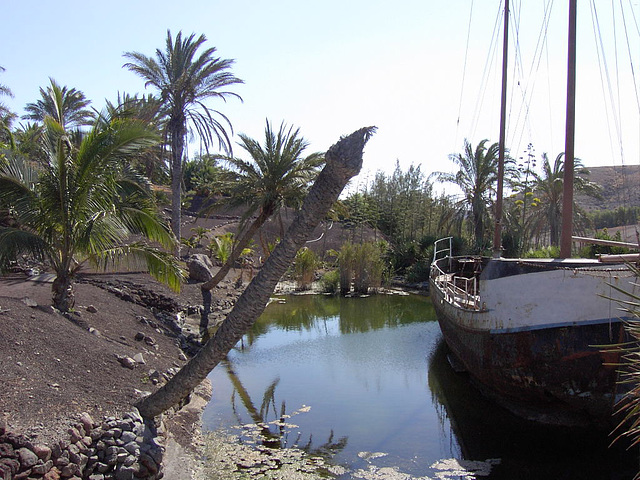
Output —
(332, 66)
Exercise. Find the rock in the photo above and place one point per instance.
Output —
(94, 331)
(53, 474)
(42, 451)
(139, 336)
(74, 435)
(138, 358)
(42, 468)
(29, 302)
(6, 451)
(23, 475)
(126, 362)
(87, 422)
(92, 309)
(3, 425)
(69, 470)
(125, 473)
(128, 437)
(199, 267)
(27, 458)
(10, 465)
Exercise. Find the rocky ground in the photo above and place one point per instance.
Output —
(122, 340)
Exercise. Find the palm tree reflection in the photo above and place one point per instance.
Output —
(275, 433)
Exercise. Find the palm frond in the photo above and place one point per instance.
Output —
(163, 266)
(14, 242)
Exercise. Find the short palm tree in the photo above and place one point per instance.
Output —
(277, 175)
(84, 206)
(185, 80)
(476, 177)
(548, 187)
(68, 107)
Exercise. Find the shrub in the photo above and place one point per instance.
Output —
(305, 265)
(330, 281)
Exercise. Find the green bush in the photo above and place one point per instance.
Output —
(330, 282)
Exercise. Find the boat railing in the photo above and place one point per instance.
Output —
(441, 252)
(457, 289)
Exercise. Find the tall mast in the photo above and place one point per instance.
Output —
(567, 196)
(497, 233)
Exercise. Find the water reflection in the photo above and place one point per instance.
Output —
(526, 450)
(358, 314)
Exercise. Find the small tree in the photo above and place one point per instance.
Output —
(346, 259)
(84, 206)
(305, 265)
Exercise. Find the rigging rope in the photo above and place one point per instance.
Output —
(464, 71)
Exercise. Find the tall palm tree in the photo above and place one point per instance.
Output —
(344, 161)
(277, 175)
(68, 107)
(548, 187)
(185, 80)
(84, 205)
(476, 177)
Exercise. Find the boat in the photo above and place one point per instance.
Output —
(532, 333)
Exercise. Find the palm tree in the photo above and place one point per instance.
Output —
(185, 80)
(277, 175)
(548, 186)
(84, 205)
(344, 161)
(6, 116)
(148, 109)
(476, 177)
(68, 107)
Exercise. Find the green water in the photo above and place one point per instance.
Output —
(366, 381)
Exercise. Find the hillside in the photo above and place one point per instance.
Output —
(620, 188)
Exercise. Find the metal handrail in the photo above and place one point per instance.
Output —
(456, 289)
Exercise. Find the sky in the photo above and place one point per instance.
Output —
(424, 72)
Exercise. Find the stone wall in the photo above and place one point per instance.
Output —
(124, 448)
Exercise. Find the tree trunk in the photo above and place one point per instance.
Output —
(343, 161)
(177, 148)
(62, 292)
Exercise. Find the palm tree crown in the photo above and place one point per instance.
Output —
(68, 107)
(476, 177)
(549, 188)
(185, 79)
(276, 175)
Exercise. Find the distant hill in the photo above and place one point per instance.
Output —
(620, 188)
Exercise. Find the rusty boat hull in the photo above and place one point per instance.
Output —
(536, 336)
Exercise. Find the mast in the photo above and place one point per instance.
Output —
(567, 196)
(497, 233)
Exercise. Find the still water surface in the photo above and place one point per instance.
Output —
(368, 380)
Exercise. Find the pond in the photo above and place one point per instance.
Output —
(366, 382)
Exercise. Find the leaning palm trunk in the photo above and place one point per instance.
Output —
(344, 160)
